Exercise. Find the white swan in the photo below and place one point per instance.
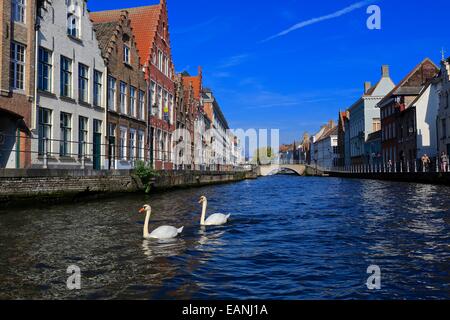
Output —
(216, 219)
(162, 233)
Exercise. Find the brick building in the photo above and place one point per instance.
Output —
(127, 93)
(187, 100)
(17, 89)
(398, 120)
(151, 30)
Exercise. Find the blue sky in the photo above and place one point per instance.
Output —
(297, 81)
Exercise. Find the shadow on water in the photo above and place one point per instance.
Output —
(289, 237)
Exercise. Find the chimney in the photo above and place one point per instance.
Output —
(367, 86)
(385, 71)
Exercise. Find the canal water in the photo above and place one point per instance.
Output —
(289, 238)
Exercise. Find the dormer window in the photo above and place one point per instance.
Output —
(74, 12)
(126, 49)
(126, 54)
(72, 26)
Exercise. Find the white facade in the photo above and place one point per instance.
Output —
(202, 134)
(72, 89)
(426, 107)
(327, 150)
(364, 116)
(443, 121)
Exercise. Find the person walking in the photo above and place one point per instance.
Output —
(390, 165)
(444, 162)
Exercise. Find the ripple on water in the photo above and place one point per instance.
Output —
(288, 238)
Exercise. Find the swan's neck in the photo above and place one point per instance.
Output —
(147, 220)
(204, 205)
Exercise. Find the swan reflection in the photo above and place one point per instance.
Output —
(154, 249)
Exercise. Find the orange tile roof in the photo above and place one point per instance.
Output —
(196, 84)
(144, 21)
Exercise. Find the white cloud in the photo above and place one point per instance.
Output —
(309, 22)
(234, 61)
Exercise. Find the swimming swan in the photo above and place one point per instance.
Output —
(216, 219)
(162, 233)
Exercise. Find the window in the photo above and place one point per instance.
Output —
(64, 144)
(83, 82)
(17, 66)
(376, 124)
(73, 25)
(166, 106)
(160, 102)
(82, 136)
(66, 77)
(133, 101)
(166, 66)
(444, 128)
(111, 93)
(132, 144)
(45, 70)
(140, 145)
(160, 60)
(126, 54)
(152, 97)
(97, 126)
(445, 99)
(123, 144)
(169, 114)
(18, 10)
(123, 97)
(45, 130)
(141, 104)
(97, 88)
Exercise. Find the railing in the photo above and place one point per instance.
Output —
(417, 166)
(38, 152)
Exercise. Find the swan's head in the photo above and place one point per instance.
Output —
(202, 199)
(145, 208)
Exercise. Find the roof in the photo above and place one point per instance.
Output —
(144, 22)
(104, 32)
(196, 83)
(328, 133)
(413, 82)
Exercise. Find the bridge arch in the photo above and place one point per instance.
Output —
(265, 170)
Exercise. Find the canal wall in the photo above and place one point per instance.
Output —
(24, 187)
(413, 177)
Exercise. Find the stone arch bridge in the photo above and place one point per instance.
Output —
(273, 168)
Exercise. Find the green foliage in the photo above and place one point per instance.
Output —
(146, 173)
(263, 155)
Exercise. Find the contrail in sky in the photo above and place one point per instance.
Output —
(309, 22)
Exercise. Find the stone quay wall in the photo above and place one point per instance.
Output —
(24, 187)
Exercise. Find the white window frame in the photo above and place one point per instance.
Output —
(133, 101)
(45, 65)
(126, 54)
(112, 93)
(123, 97)
(141, 104)
(18, 61)
(19, 10)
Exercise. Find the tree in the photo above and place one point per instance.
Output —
(263, 155)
